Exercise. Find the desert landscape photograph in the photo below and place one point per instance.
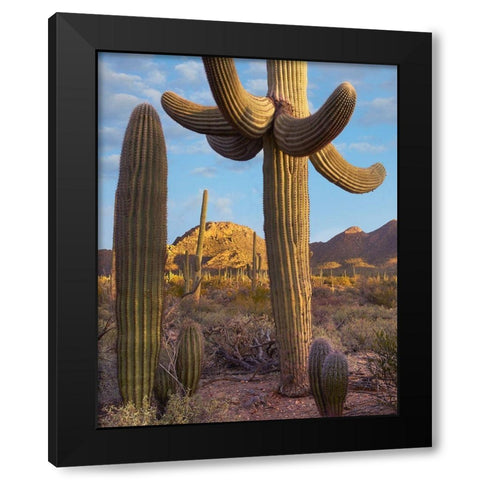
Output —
(247, 240)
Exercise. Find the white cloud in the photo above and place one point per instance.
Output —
(203, 97)
(108, 166)
(182, 147)
(361, 147)
(110, 138)
(207, 172)
(379, 110)
(154, 95)
(191, 71)
(156, 77)
(257, 86)
(117, 80)
(118, 105)
(257, 67)
(365, 147)
(224, 206)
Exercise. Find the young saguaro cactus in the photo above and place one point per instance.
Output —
(190, 356)
(139, 243)
(334, 383)
(319, 350)
(238, 128)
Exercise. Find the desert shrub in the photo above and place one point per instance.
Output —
(244, 341)
(380, 292)
(179, 410)
(105, 316)
(104, 289)
(343, 281)
(357, 335)
(352, 327)
(257, 301)
(183, 409)
(382, 364)
(128, 416)
(174, 285)
(328, 332)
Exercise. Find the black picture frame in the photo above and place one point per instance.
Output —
(74, 40)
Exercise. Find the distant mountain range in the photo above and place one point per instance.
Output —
(227, 244)
(377, 249)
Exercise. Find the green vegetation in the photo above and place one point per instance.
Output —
(382, 364)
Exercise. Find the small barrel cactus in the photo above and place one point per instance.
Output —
(319, 351)
(334, 383)
(189, 356)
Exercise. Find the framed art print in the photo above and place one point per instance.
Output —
(240, 239)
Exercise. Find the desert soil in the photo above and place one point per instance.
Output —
(251, 397)
(255, 397)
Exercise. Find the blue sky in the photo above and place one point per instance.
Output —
(235, 188)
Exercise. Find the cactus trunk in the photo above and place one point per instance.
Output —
(140, 236)
(286, 225)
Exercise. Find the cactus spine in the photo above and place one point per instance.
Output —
(334, 383)
(139, 242)
(238, 128)
(189, 356)
(319, 350)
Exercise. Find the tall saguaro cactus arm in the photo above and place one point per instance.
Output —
(304, 136)
(208, 120)
(329, 163)
(280, 123)
(248, 114)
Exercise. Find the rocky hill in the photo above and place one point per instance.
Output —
(227, 244)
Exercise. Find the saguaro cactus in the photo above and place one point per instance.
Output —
(334, 383)
(319, 350)
(238, 128)
(197, 279)
(186, 272)
(139, 243)
(189, 356)
(254, 270)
